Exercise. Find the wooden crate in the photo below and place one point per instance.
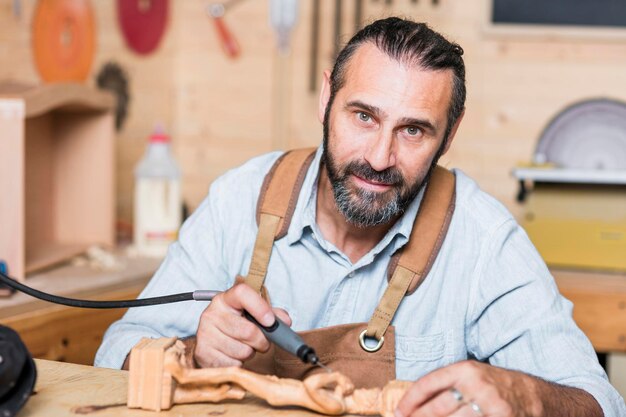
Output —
(56, 173)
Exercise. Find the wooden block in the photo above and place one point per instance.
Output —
(146, 386)
(168, 386)
(134, 378)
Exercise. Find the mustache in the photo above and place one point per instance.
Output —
(391, 176)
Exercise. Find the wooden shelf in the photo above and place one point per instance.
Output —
(45, 254)
(57, 171)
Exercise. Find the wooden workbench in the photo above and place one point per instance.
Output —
(599, 305)
(65, 389)
(56, 332)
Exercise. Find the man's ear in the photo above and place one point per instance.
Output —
(453, 132)
(324, 96)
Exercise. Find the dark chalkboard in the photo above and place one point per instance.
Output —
(611, 13)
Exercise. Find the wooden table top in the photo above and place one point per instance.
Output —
(65, 389)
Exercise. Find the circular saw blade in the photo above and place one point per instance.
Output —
(587, 135)
(143, 23)
(63, 39)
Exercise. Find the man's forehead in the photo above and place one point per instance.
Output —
(372, 75)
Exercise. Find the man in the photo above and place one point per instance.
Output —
(486, 332)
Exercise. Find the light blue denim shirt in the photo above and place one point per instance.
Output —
(488, 296)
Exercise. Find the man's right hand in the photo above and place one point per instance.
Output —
(225, 337)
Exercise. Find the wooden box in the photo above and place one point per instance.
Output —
(56, 173)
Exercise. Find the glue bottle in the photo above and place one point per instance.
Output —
(158, 205)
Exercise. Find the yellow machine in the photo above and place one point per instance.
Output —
(574, 194)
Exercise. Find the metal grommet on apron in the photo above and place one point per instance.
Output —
(379, 343)
(344, 346)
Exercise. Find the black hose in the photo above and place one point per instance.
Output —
(72, 302)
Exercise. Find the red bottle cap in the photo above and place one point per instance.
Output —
(159, 135)
(159, 138)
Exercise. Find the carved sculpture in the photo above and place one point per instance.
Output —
(161, 375)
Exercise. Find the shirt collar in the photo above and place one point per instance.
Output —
(304, 214)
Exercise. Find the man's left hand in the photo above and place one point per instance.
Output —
(472, 389)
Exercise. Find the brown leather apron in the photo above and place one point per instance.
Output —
(365, 352)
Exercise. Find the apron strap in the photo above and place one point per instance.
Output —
(275, 207)
(419, 254)
(262, 251)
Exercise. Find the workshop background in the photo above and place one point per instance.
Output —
(221, 110)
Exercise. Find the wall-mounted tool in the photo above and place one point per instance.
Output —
(337, 24)
(113, 78)
(283, 18)
(315, 41)
(64, 39)
(17, 8)
(143, 23)
(229, 43)
(358, 15)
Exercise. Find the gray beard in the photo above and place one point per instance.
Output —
(365, 208)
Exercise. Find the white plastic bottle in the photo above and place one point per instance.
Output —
(158, 204)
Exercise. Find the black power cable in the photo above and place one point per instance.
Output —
(72, 302)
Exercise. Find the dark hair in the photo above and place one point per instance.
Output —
(410, 43)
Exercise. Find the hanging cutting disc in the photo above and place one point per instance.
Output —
(143, 23)
(587, 135)
(63, 39)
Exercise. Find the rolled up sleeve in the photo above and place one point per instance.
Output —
(519, 320)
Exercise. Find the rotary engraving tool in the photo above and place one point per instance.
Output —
(278, 333)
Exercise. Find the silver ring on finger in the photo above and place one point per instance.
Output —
(457, 395)
(475, 408)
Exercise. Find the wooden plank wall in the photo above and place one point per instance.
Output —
(221, 112)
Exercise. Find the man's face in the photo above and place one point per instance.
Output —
(383, 134)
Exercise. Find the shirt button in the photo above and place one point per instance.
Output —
(351, 274)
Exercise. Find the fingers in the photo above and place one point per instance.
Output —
(445, 404)
(283, 315)
(468, 388)
(224, 336)
(243, 297)
(465, 411)
(427, 387)
(212, 358)
(218, 347)
(239, 328)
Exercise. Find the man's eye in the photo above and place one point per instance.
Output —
(413, 130)
(364, 117)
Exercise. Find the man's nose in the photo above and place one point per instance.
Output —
(381, 153)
